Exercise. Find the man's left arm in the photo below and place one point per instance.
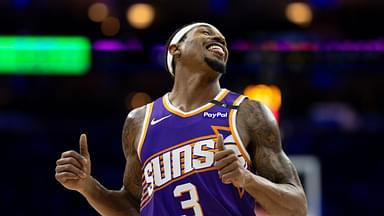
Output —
(276, 186)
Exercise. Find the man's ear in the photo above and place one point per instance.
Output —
(174, 50)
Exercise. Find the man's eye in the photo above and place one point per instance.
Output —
(206, 33)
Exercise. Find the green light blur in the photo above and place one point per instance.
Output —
(33, 55)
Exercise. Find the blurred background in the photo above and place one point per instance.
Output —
(71, 67)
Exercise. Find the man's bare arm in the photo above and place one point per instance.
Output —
(125, 201)
(276, 187)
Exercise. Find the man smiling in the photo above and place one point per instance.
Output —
(180, 161)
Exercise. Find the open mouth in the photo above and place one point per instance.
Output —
(216, 49)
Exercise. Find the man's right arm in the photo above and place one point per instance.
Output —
(125, 201)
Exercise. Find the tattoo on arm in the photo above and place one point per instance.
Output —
(132, 173)
(265, 144)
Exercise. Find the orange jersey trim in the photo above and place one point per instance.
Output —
(144, 130)
(233, 127)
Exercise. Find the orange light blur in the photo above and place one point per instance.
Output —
(299, 13)
(110, 26)
(270, 95)
(140, 15)
(138, 99)
(98, 12)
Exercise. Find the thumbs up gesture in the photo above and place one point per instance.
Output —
(227, 162)
(73, 169)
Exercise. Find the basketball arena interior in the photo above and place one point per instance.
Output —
(71, 67)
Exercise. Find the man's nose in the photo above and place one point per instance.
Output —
(218, 38)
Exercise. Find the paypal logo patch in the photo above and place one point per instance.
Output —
(213, 115)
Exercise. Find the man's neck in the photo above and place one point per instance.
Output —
(193, 90)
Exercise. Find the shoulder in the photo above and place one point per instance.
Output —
(137, 114)
(135, 118)
(251, 111)
(259, 122)
(132, 128)
(249, 106)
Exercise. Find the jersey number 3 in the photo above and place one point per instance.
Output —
(191, 203)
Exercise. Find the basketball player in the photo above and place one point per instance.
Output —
(198, 150)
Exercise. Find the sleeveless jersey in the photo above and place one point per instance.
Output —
(176, 150)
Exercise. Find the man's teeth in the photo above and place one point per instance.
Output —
(216, 48)
(213, 47)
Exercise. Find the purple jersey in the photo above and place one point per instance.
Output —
(176, 150)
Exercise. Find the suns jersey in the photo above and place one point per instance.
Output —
(176, 150)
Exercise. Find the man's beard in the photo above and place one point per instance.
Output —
(216, 65)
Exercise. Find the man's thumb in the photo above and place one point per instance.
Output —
(83, 145)
(220, 142)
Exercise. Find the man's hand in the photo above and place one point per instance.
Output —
(229, 166)
(73, 169)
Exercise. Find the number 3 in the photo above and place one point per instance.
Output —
(191, 203)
